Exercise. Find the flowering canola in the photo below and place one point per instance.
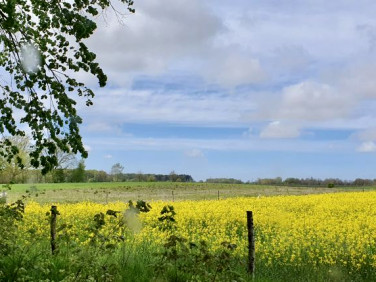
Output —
(327, 229)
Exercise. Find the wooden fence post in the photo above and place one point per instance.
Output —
(54, 213)
(251, 243)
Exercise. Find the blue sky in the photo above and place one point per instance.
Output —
(242, 89)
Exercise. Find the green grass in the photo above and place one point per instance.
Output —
(124, 191)
(87, 185)
(145, 263)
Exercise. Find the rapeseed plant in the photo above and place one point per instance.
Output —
(337, 231)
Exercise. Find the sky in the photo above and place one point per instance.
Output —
(241, 89)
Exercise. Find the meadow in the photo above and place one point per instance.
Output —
(105, 192)
(313, 237)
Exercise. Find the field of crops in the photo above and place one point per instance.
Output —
(105, 192)
(329, 237)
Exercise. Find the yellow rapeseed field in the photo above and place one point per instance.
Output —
(330, 229)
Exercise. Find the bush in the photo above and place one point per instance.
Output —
(3, 198)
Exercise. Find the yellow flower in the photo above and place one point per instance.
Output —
(314, 229)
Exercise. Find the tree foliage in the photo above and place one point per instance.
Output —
(10, 170)
(78, 174)
(42, 48)
(116, 171)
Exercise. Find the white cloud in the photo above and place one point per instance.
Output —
(313, 101)
(367, 135)
(370, 32)
(117, 107)
(359, 79)
(241, 144)
(233, 69)
(230, 43)
(327, 31)
(312, 63)
(367, 147)
(277, 129)
(368, 138)
(194, 153)
(102, 127)
(108, 156)
(288, 60)
(156, 37)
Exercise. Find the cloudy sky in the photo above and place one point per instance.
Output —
(242, 89)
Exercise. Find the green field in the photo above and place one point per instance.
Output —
(167, 191)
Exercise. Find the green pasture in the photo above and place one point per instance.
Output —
(104, 192)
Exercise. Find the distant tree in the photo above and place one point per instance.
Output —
(162, 177)
(97, 176)
(186, 178)
(224, 180)
(117, 171)
(65, 161)
(173, 176)
(292, 181)
(58, 175)
(362, 182)
(140, 176)
(101, 176)
(78, 174)
(151, 178)
(269, 181)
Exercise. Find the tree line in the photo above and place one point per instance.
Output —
(13, 174)
(301, 182)
(80, 174)
(315, 182)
